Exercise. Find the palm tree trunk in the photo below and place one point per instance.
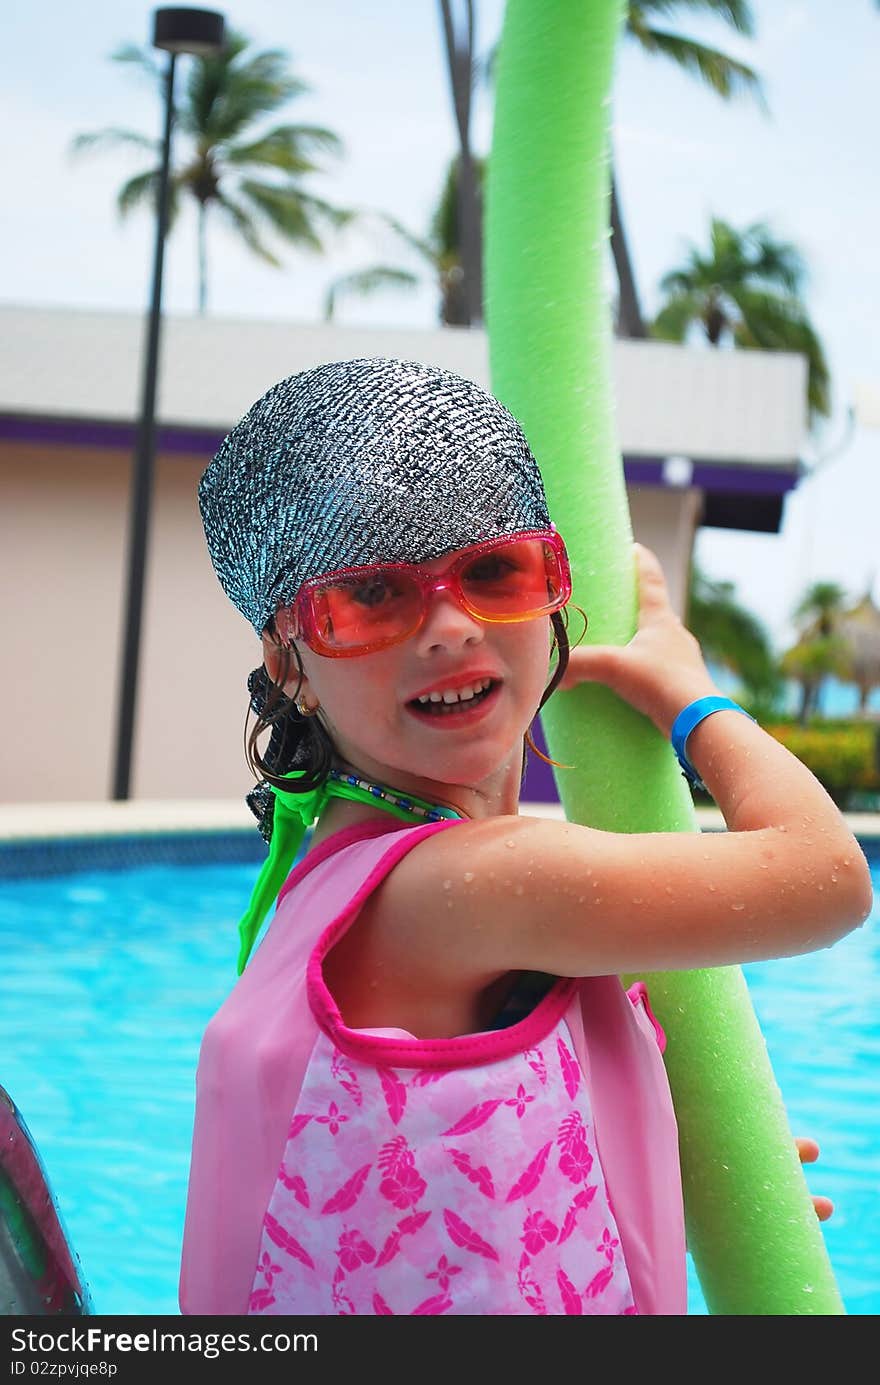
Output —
(203, 260)
(460, 60)
(806, 697)
(629, 315)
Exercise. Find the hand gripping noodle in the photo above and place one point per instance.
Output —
(755, 1240)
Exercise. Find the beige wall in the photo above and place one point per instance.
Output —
(62, 576)
(666, 520)
(64, 519)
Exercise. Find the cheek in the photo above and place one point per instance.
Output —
(351, 691)
(533, 654)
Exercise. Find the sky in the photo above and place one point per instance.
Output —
(376, 72)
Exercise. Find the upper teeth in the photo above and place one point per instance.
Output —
(457, 695)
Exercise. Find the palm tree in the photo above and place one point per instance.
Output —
(746, 289)
(250, 175)
(734, 638)
(820, 651)
(440, 249)
(461, 62)
(724, 75)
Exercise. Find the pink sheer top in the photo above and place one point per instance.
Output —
(336, 1171)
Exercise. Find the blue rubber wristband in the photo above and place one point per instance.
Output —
(690, 717)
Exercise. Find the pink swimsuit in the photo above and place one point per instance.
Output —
(527, 1170)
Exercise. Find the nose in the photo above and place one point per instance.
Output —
(447, 624)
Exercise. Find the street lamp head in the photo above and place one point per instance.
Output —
(200, 32)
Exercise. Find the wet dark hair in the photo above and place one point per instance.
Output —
(302, 743)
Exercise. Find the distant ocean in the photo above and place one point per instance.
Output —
(835, 699)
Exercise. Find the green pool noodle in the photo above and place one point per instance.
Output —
(756, 1242)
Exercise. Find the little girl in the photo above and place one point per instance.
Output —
(428, 1092)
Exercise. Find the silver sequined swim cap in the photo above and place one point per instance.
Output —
(360, 462)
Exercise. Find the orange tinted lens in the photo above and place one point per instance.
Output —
(379, 606)
(514, 579)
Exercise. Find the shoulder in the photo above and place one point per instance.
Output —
(458, 900)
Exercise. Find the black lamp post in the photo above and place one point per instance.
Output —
(200, 32)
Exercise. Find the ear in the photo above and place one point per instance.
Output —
(275, 656)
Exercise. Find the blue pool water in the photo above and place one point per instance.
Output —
(110, 976)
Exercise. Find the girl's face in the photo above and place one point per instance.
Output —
(448, 706)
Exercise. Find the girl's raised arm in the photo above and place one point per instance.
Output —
(517, 892)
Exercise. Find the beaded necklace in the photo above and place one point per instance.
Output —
(294, 813)
(354, 786)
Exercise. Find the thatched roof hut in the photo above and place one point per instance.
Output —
(859, 629)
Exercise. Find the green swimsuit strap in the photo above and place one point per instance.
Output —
(293, 814)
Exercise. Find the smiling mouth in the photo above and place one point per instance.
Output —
(450, 704)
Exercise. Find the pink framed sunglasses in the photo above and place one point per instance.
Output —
(357, 610)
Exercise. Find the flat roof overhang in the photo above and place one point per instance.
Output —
(734, 497)
(728, 423)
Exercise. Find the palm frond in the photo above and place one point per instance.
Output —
(142, 59)
(821, 602)
(676, 316)
(778, 262)
(367, 281)
(286, 211)
(688, 277)
(113, 136)
(777, 322)
(336, 217)
(225, 96)
(286, 147)
(731, 634)
(244, 224)
(737, 14)
(421, 246)
(143, 190)
(725, 75)
(143, 187)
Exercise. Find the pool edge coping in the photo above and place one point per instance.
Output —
(30, 822)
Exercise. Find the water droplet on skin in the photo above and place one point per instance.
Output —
(581, 898)
(638, 901)
(447, 884)
(713, 889)
(468, 876)
(834, 879)
(822, 887)
(737, 907)
(510, 844)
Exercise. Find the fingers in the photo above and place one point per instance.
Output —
(808, 1150)
(653, 592)
(808, 1153)
(590, 664)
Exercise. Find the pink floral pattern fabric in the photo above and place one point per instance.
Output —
(466, 1190)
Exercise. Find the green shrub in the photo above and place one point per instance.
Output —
(842, 755)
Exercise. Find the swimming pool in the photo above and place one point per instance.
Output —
(110, 976)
